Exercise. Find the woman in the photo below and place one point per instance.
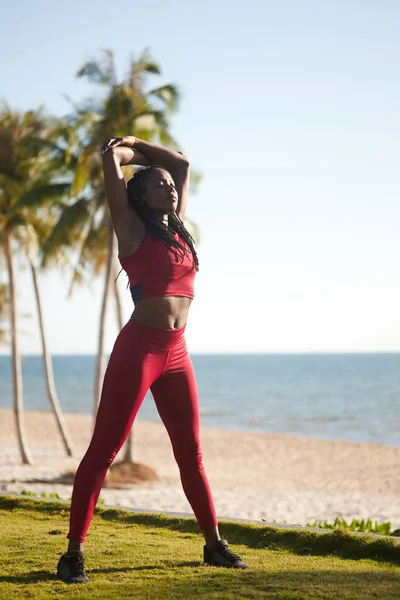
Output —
(158, 255)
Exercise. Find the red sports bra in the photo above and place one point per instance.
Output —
(154, 270)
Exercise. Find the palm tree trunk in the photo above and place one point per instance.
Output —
(101, 362)
(16, 361)
(48, 368)
(128, 454)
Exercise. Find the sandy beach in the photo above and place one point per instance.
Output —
(252, 475)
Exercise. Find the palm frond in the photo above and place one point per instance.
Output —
(35, 197)
(168, 94)
(93, 251)
(100, 71)
(39, 229)
(150, 124)
(67, 230)
(144, 64)
(15, 220)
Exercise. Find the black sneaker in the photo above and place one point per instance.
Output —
(71, 568)
(221, 556)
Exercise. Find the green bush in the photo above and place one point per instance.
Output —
(363, 525)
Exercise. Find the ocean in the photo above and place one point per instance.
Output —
(353, 397)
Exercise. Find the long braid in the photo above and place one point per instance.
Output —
(155, 225)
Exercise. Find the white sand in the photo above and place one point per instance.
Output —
(252, 475)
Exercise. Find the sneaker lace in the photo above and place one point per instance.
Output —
(229, 554)
(77, 566)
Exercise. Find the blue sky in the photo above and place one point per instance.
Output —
(291, 111)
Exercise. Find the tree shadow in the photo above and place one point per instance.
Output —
(258, 583)
(163, 566)
(42, 576)
(32, 577)
(298, 541)
(338, 542)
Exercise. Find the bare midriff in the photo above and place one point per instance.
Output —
(169, 312)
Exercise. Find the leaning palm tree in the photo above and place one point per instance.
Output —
(17, 144)
(26, 173)
(47, 362)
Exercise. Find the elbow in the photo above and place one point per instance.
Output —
(185, 165)
(184, 161)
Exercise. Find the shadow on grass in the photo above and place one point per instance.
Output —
(38, 576)
(337, 542)
(32, 577)
(169, 565)
(222, 584)
(287, 584)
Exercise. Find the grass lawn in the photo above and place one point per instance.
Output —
(130, 555)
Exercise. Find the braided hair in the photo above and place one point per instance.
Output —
(156, 228)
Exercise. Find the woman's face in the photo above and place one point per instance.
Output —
(160, 191)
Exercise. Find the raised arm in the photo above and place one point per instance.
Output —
(175, 162)
(127, 225)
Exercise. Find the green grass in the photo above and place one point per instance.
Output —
(131, 555)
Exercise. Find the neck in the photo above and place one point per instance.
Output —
(163, 219)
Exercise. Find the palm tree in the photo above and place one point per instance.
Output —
(14, 169)
(26, 172)
(127, 106)
(47, 362)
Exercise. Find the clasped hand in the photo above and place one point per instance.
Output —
(113, 142)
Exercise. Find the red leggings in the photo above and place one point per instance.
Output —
(142, 358)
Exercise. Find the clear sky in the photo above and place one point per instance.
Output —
(291, 109)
